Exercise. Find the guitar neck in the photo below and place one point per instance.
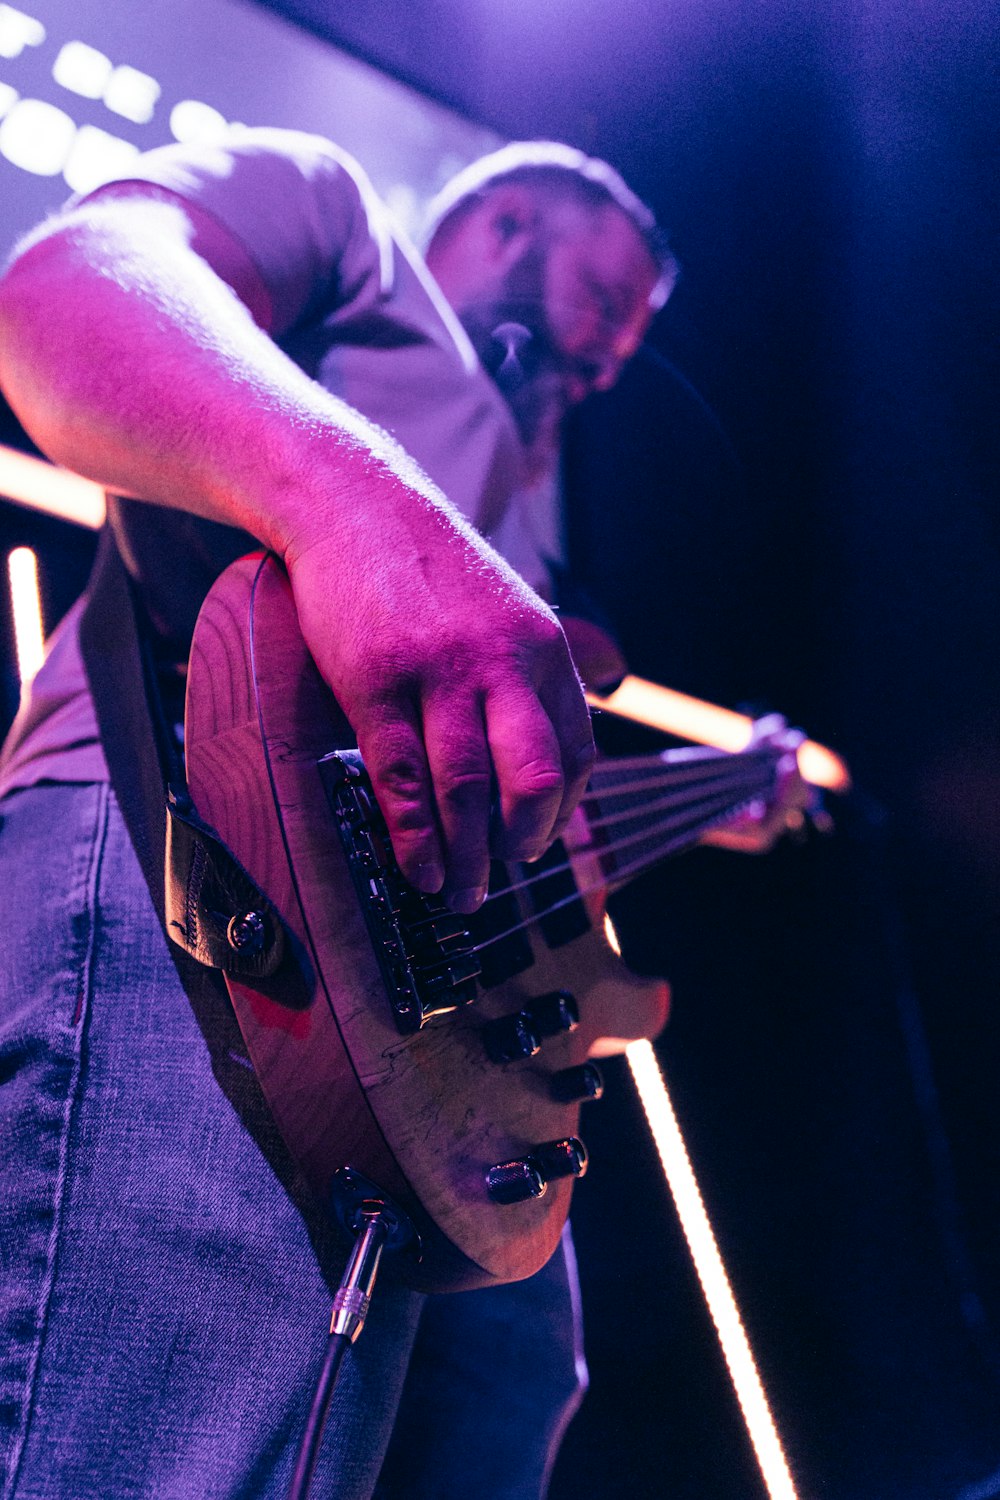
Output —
(642, 809)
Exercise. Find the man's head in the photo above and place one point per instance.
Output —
(555, 268)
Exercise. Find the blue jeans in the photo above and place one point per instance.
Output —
(165, 1278)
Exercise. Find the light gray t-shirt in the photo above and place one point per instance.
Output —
(355, 307)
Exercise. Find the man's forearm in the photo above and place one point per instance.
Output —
(130, 361)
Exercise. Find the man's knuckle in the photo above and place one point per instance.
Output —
(542, 635)
(402, 779)
(537, 780)
(410, 821)
(461, 787)
(391, 680)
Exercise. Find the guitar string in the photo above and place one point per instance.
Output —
(704, 810)
(739, 791)
(712, 774)
(677, 761)
(684, 754)
(702, 816)
(689, 808)
(671, 799)
(671, 836)
(672, 845)
(605, 789)
(642, 792)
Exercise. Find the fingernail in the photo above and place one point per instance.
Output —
(429, 878)
(468, 901)
(522, 847)
(528, 853)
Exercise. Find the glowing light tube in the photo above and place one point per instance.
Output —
(32, 481)
(711, 1272)
(26, 607)
(693, 719)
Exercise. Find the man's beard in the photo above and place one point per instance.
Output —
(510, 333)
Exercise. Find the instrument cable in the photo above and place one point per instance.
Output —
(373, 1224)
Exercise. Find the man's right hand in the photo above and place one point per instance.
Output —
(456, 679)
(128, 358)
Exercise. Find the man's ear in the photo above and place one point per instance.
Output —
(511, 220)
(507, 226)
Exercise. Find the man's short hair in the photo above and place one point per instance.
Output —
(564, 172)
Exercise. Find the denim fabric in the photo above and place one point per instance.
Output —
(164, 1278)
(492, 1385)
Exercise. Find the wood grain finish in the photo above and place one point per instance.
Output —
(423, 1115)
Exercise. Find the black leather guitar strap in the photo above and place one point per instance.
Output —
(208, 905)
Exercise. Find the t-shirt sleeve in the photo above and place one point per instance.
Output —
(303, 210)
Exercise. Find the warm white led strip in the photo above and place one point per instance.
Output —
(711, 1272)
(707, 724)
(26, 607)
(32, 481)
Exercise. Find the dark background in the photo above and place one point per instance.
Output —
(827, 172)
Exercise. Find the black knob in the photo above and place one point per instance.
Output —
(511, 1038)
(572, 1085)
(553, 1014)
(515, 1181)
(566, 1158)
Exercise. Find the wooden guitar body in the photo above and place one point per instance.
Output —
(423, 1114)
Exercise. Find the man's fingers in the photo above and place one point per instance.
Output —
(528, 765)
(439, 751)
(391, 744)
(461, 777)
(432, 780)
(568, 711)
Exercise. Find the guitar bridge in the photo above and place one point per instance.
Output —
(423, 949)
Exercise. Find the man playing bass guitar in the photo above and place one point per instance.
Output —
(235, 342)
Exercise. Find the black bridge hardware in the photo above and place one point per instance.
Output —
(498, 925)
(423, 949)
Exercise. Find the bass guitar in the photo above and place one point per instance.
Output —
(444, 1059)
